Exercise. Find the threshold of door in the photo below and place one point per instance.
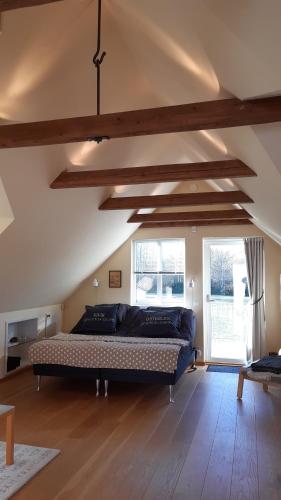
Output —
(222, 363)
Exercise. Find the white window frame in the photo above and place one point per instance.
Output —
(159, 278)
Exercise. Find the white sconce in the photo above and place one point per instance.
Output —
(95, 283)
(191, 283)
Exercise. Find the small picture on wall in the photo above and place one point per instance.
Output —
(115, 279)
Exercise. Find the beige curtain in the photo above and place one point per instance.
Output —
(254, 250)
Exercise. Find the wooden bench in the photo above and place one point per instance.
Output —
(264, 378)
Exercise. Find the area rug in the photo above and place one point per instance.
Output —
(29, 460)
(223, 369)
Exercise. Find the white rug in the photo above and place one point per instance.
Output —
(28, 461)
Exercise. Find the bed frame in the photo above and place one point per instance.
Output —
(187, 357)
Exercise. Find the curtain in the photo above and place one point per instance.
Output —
(254, 250)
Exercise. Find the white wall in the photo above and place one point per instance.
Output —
(121, 260)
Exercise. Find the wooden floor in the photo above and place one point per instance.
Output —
(136, 446)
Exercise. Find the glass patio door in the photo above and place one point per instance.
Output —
(227, 309)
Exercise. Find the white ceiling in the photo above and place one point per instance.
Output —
(158, 53)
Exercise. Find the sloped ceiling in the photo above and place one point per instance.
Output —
(6, 214)
(157, 53)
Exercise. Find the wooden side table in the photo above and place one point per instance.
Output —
(9, 412)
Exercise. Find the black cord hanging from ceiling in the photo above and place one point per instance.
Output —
(97, 60)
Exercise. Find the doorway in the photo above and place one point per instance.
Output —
(227, 308)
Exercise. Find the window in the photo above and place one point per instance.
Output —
(227, 262)
(158, 272)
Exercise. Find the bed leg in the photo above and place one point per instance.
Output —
(240, 384)
(265, 387)
(105, 388)
(171, 388)
(38, 383)
(97, 387)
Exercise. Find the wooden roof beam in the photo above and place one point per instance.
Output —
(234, 222)
(218, 114)
(19, 4)
(175, 200)
(155, 173)
(190, 216)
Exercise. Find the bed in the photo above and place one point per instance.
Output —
(123, 356)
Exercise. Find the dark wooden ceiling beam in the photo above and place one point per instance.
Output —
(19, 4)
(223, 222)
(175, 200)
(154, 173)
(190, 216)
(223, 113)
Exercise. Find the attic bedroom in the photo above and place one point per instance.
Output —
(140, 249)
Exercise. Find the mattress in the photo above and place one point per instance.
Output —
(97, 351)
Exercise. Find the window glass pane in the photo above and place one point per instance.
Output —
(146, 288)
(172, 288)
(159, 289)
(158, 274)
(226, 259)
(146, 256)
(221, 271)
(172, 256)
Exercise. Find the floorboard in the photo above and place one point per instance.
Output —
(218, 477)
(137, 446)
(192, 476)
(267, 412)
(244, 484)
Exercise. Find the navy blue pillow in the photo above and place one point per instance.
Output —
(158, 324)
(124, 328)
(187, 320)
(122, 310)
(176, 310)
(98, 319)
